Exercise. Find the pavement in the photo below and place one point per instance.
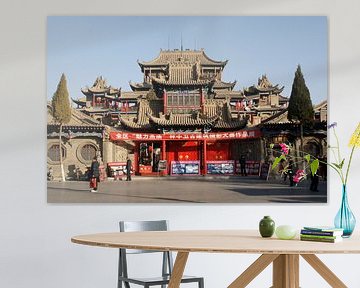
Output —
(187, 189)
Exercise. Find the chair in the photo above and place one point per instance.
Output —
(167, 262)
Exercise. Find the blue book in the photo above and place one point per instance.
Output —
(322, 231)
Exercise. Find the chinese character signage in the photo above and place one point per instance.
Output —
(244, 134)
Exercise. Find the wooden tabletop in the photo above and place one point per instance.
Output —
(217, 241)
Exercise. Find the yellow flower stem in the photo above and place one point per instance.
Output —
(351, 155)
(338, 146)
(348, 166)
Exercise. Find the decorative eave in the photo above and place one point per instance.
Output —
(321, 105)
(238, 123)
(132, 95)
(183, 120)
(236, 95)
(140, 86)
(283, 99)
(79, 102)
(278, 118)
(256, 90)
(223, 85)
(132, 125)
(167, 56)
(100, 87)
(194, 83)
(75, 131)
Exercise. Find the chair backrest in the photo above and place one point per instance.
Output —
(134, 226)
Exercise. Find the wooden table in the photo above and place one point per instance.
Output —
(284, 254)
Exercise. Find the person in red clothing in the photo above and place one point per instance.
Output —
(94, 175)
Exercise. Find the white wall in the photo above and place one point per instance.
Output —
(35, 248)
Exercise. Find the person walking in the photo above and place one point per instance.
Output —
(243, 165)
(314, 182)
(128, 169)
(94, 175)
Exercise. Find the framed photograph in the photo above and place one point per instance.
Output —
(187, 109)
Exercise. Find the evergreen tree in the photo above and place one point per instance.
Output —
(300, 105)
(61, 112)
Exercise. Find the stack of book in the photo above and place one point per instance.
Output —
(321, 234)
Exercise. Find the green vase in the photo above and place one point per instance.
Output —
(266, 226)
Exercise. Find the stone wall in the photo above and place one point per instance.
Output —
(75, 166)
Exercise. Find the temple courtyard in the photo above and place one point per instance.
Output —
(201, 189)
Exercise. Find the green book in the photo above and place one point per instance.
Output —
(319, 236)
(324, 239)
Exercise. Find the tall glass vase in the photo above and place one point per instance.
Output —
(345, 219)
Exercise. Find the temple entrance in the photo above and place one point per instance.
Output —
(149, 157)
(183, 151)
(218, 151)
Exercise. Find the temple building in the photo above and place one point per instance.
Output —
(188, 120)
(183, 119)
(99, 99)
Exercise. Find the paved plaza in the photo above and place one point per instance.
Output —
(186, 190)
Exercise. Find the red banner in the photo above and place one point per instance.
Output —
(242, 134)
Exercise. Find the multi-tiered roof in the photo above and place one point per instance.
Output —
(175, 71)
(183, 90)
(190, 68)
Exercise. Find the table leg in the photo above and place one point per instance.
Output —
(178, 270)
(324, 271)
(286, 271)
(253, 270)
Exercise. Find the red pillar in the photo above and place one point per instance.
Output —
(93, 100)
(136, 157)
(163, 155)
(204, 158)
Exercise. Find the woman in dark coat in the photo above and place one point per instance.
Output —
(128, 169)
(94, 175)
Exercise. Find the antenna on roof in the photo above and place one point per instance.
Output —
(181, 42)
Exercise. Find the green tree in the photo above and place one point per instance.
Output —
(300, 105)
(61, 112)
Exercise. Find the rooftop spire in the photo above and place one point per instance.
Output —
(181, 42)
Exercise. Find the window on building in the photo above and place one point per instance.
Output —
(183, 101)
(54, 153)
(88, 152)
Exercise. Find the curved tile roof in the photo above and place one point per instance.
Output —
(100, 86)
(183, 120)
(139, 86)
(192, 56)
(221, 84)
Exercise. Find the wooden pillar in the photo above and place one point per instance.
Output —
(165, 101)
(202, 100)
(93, 100)
(204, 158)
(136, 157)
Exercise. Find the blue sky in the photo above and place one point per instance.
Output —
(84, 47)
